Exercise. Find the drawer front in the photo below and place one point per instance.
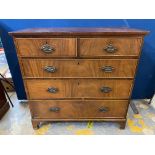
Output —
(78, 88)
(79, 68)
(96, 47)
(78, 109)
(46, 47)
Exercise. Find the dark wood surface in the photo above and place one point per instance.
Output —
(4, 105)
(2, 96)
(78, 31)
(79, 55)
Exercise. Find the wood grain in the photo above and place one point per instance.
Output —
(79, 109)
(78, 58)
(78, 31)
(94, 47)
(78, 88)
(35, 68)
(31, 47)
(3, 99)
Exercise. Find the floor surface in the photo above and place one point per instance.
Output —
(17, 121)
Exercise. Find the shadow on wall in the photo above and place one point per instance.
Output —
(145, 76)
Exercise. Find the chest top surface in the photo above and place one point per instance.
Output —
(72, 31)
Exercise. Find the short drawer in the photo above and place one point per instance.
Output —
(78, 88)
(99, 47)
(46, 47)
(41, 68)
(76, 109)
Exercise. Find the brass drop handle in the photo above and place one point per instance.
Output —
(110, 49)
(47, 48)
(103, 109)
(54, 109)
(107, 69)
(106, 89)
(52, 90)
(50, 69)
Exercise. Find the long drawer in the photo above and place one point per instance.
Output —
(78, 88)
(42, 68)
(46, 47)
(98, 47)
(77, 109)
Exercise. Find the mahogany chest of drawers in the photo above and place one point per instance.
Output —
(78, 74)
